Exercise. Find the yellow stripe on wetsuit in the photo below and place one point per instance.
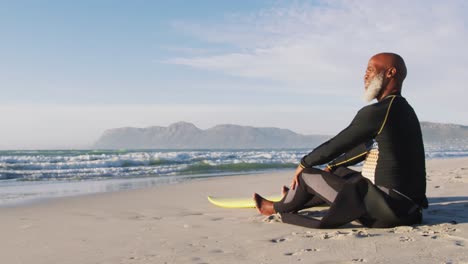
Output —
(386, 115)
(348, 160)
(380, 131)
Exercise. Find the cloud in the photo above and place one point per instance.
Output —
(326, 45)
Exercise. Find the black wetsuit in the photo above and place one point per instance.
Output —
(387, 135)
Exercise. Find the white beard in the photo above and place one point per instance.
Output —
(374, 87)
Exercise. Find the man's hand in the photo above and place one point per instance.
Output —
(295, 181)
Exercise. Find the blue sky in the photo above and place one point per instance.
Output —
(71, 69)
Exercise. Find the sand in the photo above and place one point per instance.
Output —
(176, 224)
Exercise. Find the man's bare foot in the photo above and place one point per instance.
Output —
(284, 191)
(264, 206)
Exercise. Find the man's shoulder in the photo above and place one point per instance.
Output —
(377, 109)
(372, 108)
(385, 103)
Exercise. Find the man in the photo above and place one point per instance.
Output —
(386, 135)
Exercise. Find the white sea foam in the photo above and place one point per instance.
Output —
(79, 165)
(88, 165)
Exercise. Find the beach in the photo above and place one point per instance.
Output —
(175, 223)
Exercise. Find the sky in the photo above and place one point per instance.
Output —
(69, 70)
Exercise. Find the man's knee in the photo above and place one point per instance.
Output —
(310, 177)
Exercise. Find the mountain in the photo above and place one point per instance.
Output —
(183, 135)
(444, 136)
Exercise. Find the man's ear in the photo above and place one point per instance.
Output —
(391, 72)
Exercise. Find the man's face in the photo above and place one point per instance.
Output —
(372, 71)
(373, 81)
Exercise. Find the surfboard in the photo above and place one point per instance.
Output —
(238, 202)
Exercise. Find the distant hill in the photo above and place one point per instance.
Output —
(444, 136)
(183, 135)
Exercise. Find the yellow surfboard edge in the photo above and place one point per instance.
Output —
(238, 202)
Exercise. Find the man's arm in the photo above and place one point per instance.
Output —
(363, 128)
(352, 157)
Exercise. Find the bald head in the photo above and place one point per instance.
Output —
(389, 60)
(385, 74)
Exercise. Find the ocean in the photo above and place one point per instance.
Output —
(34, 175)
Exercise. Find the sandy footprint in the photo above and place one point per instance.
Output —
(275, 218)
(339, 234)
(364, 233)
(405, 239)
(129, 215)
(401, 229)
(189, 213)
(335, 235)
(216, 251)
(279, 240)
(137, 217)
(358, 260)
(441, 231)
(458, 241)
(457, 176)
(302, 251)
(198, 260)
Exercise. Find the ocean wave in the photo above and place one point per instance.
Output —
(52, 165)
(446, 154)
(114, 162)
(82, 165)
(235, 167)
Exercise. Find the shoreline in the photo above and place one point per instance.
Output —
(176, 224)
(23, 193)
(32, 192)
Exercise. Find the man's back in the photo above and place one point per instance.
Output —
(401, 161)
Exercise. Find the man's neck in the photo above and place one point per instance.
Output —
(392, 88)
